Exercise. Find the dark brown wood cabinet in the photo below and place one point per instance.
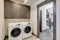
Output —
(16, 11)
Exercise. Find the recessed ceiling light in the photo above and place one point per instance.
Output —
(25, 1)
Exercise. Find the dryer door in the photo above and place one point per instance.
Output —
(15, 32)
(27, 29)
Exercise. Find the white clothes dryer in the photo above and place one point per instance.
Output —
(27, 30)
(15, 31)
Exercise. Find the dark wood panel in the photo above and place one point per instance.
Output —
(54, 20)
(16, 11)
(45, 2)
(40, 20)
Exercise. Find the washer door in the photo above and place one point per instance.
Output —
(15, 32)
(27, 29)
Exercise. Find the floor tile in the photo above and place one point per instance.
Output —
(46, 35)
(33, 38)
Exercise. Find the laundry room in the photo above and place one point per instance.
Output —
(29, 19)
(14, 13)
(17, 21)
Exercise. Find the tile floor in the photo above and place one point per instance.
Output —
(46, 35)
(32, 38)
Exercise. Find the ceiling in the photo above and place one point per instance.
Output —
(26, 2)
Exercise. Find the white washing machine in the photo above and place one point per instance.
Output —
(15, 31)
(27, 30)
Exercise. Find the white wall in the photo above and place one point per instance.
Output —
(34, 16)
(2, 32)
(58, 20)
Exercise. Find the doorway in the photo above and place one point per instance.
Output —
(48, 22)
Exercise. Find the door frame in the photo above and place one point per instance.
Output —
(54, 17)
(40, 20)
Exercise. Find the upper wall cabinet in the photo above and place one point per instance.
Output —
(16, 11)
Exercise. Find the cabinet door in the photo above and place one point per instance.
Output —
(16, 11)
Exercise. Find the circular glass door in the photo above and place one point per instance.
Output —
(27, 29)
(15, 32)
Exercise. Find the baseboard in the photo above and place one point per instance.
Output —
(34, 34)
(6, 37)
